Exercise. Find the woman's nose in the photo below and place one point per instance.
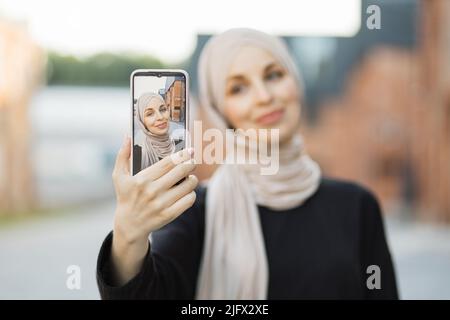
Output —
(262, 94)
(159, 115)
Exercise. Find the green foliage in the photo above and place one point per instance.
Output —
(103, 69)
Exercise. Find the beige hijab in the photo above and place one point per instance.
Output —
(234, 263)
(155, 146)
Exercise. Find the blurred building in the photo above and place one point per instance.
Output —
(175, 97)
(21, 71)
(390, 129)
(433, 159)
(363, 135)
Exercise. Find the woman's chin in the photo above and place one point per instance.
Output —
(159, 132)
(285, 131)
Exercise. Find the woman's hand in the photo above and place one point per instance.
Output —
(146, 202)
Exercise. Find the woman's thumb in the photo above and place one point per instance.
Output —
(123, 157)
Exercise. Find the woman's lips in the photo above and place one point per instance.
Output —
(270, 117)
(162, 125)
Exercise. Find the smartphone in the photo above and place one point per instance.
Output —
(160, 115)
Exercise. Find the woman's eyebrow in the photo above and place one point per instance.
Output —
(270, 66)
(236, 77)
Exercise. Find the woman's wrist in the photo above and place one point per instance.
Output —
(126, 241)
(129, 251)
(124, 233)
(127, 257)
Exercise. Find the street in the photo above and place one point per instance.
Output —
(35, 255)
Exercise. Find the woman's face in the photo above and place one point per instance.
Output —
(156, 117)
(260, 93)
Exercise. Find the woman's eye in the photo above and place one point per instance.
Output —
(236, 89)
(163, 109)
(274, 75)
(149, 114)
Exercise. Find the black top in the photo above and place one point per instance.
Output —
(319, 250)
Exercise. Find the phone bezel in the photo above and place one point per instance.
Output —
(161, 73)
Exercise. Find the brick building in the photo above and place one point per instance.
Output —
(22, 66)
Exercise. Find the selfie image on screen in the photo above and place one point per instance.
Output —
(159, 107)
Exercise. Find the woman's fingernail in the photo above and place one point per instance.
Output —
(191, 151)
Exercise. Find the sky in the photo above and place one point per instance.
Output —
(168, 29)
(145, 84)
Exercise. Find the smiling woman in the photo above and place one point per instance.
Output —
(291, 235)
(153, 119)
(258, 79)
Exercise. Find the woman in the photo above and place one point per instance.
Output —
(153, 119)
(291, 235)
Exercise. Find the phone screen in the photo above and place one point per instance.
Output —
(159, 115)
